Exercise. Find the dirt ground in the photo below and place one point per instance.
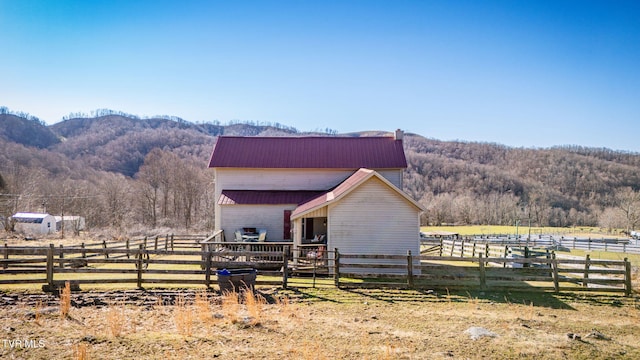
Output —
(319, 324)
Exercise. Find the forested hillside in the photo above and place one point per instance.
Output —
(120, 171)
(479, 183)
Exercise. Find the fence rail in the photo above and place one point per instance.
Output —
(194, 261)
(480, 272)
(630, 246)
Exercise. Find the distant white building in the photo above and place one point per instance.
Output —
(34, 223)
(71, 223)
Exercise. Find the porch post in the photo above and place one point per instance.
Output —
(297, 239)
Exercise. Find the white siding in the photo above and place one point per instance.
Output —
(47, 226)
(289, 179)
(279, 179)
(270, 217)
(394, 176)
(374, 219)
(322, 212)
(282, 179)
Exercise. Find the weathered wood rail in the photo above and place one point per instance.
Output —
(480, 273)
(630, 246)
(194, 261)
(53, 266)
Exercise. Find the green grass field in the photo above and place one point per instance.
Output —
(523, 230)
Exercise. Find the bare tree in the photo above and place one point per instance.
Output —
(628, 201)
(115, 189)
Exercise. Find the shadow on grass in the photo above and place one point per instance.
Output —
(298, 294)
(535, 298)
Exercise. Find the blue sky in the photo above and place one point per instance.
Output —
(520, 73)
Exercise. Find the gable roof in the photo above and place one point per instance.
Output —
(308, 152)
(351, 183)
(27, 215)
(265, 197)
(34, 218)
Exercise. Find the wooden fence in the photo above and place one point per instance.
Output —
(466, 248)
(630, 246)
(121, 264)
(480, 273)
(194, 261)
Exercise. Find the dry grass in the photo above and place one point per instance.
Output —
(183, 317)
(330, 323)
(65, 300)
(38, 312)
(116, 320)
(80, 352)
(231, 306)
(254, 304)
(203, 306)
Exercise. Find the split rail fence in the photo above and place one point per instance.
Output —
(193, 260)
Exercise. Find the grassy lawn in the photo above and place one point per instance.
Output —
(604, 255)
(523, 230)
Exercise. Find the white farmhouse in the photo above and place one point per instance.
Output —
(342, 191)
(34, 223)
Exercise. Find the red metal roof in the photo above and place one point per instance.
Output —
(308, 152)
(268, 197)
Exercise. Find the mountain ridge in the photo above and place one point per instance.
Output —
(458, 181)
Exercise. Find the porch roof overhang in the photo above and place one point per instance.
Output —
(344, 188)
(266, 197)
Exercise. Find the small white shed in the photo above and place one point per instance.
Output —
(70, 223)
(34, 223)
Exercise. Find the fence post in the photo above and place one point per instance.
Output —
(506, 252)
(6, 255)
(462, 250)
(50, 267)
(627, 277)
(527, 255)
(486, 250)
(554, 265)
(207, 276)
(104, 246)
(336, 268)
(409, 269)
(171, 242)
(589, 243)
(61, 265)
(285, 267)
(166, 243)
(483, 276)
(127, 246)
(155, 243)
(453, 246)
(473, 252)
(139, 266)
(84, 253)
(587, 264)
(441, 245)
(145, 243)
